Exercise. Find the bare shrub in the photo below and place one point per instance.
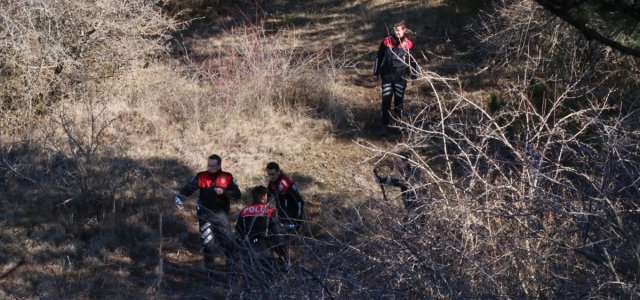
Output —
(48, 47)
(520, 36)
(253, 69)
(205, 8)
(533, 193)
(90, 161)
(537, 198)
(249, 74)
(109, 157)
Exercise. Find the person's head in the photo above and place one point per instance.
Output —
(259, 194)
(402, 160)
(214, 163)
(399, 28)
(273, 171)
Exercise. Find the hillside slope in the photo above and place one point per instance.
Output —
(526, 135)
(85, 188)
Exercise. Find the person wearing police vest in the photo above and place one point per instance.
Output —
(258, 231)
(216, 188)
(284, 190)
(394, 57)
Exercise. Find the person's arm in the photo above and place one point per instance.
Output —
(271, 193)
(185, 192)
(379, 59)
(232, 191)
(396, 181)
(297, 199)
(275, 229)
(189, 189)
(392, 180)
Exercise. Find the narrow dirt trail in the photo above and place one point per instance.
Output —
(351, 31)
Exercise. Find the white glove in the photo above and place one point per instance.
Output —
(179, 203)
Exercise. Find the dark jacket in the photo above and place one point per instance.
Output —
(257, 228)
(256, 222)
(410, 183)
(206, 183)
(395, 56)
(288, 200)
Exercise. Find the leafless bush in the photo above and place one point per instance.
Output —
(534, 197)
(206, 8)
(49, 47)
(528, 200)
(253, 73)
(85, 163)
(82, 156)
(533, 193)
(520, 36)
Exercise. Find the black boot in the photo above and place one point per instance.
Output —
(383, 130)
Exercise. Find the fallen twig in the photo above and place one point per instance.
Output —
(12, 269)
(6, 163)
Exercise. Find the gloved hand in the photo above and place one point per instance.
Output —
(179, 203)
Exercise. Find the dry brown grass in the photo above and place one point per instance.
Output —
(110, 153)
(82, 188)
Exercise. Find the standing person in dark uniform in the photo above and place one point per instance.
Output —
(394, 57)
(217, 188)
(409, 181)
(288, 200)
(258, 230)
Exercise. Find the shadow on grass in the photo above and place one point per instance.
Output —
(143, 248)
(104, 241)
(355, 29)
(109, 241)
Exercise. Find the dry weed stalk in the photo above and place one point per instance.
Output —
(252, 70)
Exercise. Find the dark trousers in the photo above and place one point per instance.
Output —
(220, 233)
(410, 204)
(285, 215)
(393, 86)
(258, 255)
(414, 219)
